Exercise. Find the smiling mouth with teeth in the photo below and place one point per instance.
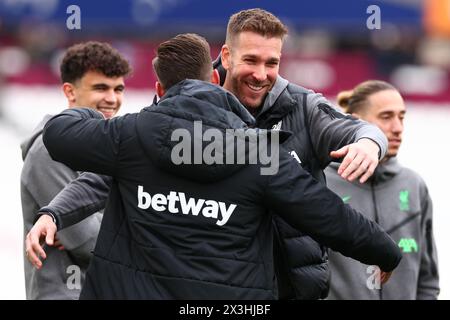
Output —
(107, 112)
(255, 88)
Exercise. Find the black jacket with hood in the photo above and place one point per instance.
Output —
(301, 264)
(196, 231)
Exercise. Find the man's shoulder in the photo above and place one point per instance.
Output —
(38, 158)
(299, 93)
(37, 149)
(42, 175)
(297, 89)
(29, 142)
(411, 175)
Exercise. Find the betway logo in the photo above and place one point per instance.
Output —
(208, 208)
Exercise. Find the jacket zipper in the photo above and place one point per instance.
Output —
(377, 220)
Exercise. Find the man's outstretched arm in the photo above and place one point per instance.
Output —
(72, 210)
(335, 136)
(83, 140)
(79, 199)
(309, 206)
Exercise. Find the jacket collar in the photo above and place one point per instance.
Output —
(386, 170)
(278, 102)
(274, 94)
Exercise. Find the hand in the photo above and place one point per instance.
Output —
(384, 276)
(43, 227)
(360, 161)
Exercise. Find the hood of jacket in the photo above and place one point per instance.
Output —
(384, 172)
(28, 142)
(190, 132)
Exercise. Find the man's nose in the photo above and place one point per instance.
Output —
(397, 125)
(110, 97)
(259, 73)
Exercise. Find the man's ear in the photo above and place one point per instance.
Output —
(225, 56)
(69, 92)
(215, 77)
(159, 89)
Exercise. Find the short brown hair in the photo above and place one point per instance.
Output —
(255, 20)
(353, 101)
(186, 56)
(92, 56)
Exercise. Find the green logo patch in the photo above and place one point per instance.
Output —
(346, 199)
(404, 200)
(408, 245)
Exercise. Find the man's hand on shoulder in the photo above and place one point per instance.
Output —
(360, 159)
(44, 227)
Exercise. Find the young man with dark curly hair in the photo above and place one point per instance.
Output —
(92, 74)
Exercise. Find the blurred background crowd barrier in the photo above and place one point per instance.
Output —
(332, 46)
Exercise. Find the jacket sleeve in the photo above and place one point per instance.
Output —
(331, 130)
(81, 139)
(315, 210)
(80, 239)
(81, 198)
(428, 284)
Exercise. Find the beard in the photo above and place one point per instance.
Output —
(252, 101)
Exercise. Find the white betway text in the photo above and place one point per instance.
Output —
(176, 202)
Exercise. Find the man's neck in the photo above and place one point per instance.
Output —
(254, 111)
(385, 159)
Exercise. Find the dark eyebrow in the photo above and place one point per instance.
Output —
(252, 56)
(105, 86)
(389, 112)
(100, 85)
(274, 60)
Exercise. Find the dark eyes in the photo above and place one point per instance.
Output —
(390, 117)
(270, 63)
(103, 88)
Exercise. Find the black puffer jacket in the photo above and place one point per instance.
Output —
(196, 231)
(317, 128)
